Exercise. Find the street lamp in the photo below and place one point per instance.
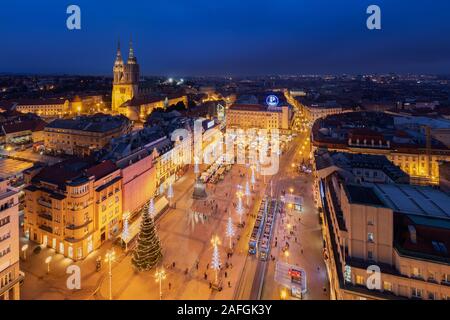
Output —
(47, 261)
(110, 257)
(24, 250)
(160, 275)
(286, 255)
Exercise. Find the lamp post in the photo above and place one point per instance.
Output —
(24, 250)
(160, 275)
(286, 255)
(47, 261)
(110, 258)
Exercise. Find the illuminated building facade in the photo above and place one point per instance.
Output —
(126, 79)
(247, 116)
(45, 108)
(138, 108)
(10, 275)
(82, 135)
(400, 231)
(415, 153)
(73, 206)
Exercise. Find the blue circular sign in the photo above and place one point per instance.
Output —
(272, 101)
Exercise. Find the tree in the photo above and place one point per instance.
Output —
(230, 231)
(148, 251)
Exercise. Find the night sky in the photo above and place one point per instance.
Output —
(232, 37)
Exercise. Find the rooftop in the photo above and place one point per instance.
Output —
(359, 194)
(350, 161)
(415, 200)
(95, 123)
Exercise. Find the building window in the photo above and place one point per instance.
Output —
(416, 293)
(431, 295)
(360, 280)
(416, 272)
(370, 237)
(369, 255)
(387, 286)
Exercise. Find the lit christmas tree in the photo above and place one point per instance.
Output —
(148, 251)
(247, 191)
(230, 231)
(151, 208)
(196, 166)
(253, 180)
(215, 262)
(125, 231)
(170, 193)
(240, 209)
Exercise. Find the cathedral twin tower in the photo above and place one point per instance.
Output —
(126, 79)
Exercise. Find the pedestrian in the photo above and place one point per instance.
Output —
(205, 275)
(170, 286)
(226, 274)
(207, 266)
(301, 251)
(173, 264)
(210, 285)
(229, 284)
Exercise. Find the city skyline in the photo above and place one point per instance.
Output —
(228, 39)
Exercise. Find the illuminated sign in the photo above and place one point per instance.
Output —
(272, 101)
(210, 124)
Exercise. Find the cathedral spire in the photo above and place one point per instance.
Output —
(119, 54)
(131, 55)
(131, 58)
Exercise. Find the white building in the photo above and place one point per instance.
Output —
(10, 275)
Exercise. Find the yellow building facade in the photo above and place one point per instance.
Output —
(72, 213)
(126, 80)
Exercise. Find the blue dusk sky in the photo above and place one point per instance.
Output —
(232, 37)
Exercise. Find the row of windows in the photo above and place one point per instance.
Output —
(5, 236)
(5, 251)
(415, 292)
(4, 221)
(6, 279)
(6, 205)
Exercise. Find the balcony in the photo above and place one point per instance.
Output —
(46, 216)
(44, 203)
(75, 227)
(46, 228)
(6, 206)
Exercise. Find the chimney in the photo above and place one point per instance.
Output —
(412, 234)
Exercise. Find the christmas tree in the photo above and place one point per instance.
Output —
(170, 192)
(215, 261)
(230, 231)
(240, 209)
(148, 251)
(253, 177)
(125, 231)
(151, 208)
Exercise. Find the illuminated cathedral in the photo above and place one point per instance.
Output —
(126, 79)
